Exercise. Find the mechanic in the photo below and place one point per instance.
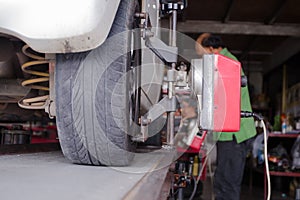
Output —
(232, 147)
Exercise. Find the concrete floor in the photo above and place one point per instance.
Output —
(49, 176)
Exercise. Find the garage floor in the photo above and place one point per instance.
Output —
(49, 176)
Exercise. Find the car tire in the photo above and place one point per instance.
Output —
(93, 97)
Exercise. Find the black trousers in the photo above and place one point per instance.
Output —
(231, 158)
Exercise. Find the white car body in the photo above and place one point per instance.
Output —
(58, 26)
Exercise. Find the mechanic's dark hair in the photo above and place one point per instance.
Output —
(213, 41)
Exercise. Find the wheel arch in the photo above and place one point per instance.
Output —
(66, 26)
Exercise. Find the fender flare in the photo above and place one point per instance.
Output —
(58, 26)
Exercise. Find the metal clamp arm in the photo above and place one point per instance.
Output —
(168, 54)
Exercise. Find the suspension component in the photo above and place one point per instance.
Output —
(38, 102)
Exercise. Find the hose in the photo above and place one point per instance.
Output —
(243, 114)
(251, 114)
(266, 160)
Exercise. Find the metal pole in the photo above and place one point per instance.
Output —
(170, 30)
(174, 25)
(171, 89)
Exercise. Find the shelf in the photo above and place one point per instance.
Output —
(277, 173)
(290, 174)
(286, 135)
(292, 135)
(281, 137)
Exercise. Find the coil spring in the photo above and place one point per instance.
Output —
(38, 102)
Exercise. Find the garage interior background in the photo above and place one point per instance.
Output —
(263, 35)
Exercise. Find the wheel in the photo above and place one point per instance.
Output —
(94, 94)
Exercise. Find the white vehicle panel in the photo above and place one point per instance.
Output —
(58, 26)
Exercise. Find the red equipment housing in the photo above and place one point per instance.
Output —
(227, 94)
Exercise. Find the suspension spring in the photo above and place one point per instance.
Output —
(38, 102)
